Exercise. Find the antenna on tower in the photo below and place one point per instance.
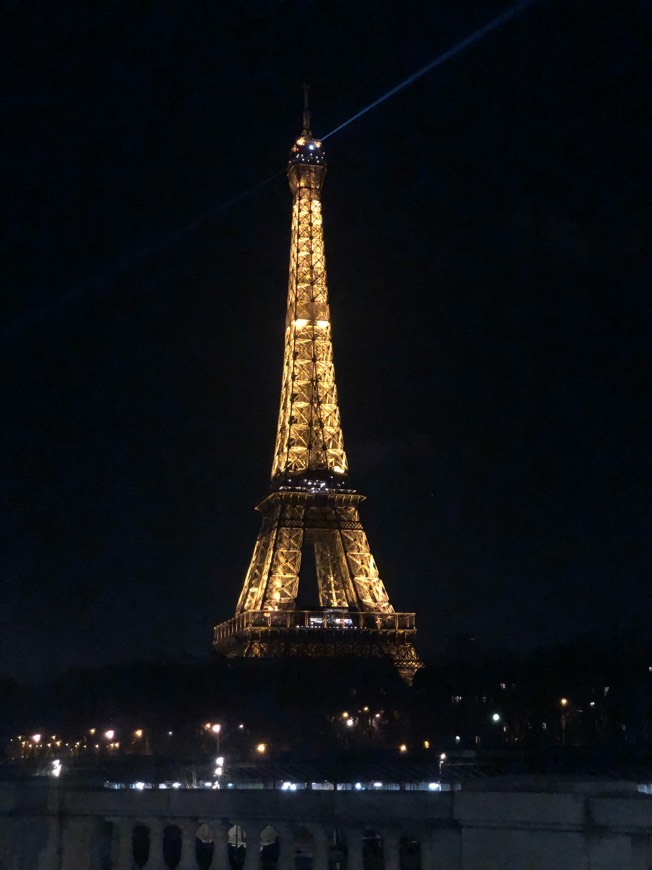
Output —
(306, 109)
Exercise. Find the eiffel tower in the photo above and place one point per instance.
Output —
(310, 505)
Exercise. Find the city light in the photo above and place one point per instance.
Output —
(36, 738)
(403, 748)
(495, 717)
(56, 768)
(564, 702)
(350, 723)
(216, 728)
(261, 748)
(426, 744)
(138, 733)
(110, 734)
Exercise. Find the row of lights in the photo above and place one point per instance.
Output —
(38, 738)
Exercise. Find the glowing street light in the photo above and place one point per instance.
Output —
(495, 717)
(216, 728)
(110, 734)
(36, 738)
(138, 732)
(261, 748)
(403, 747)
(563, 703)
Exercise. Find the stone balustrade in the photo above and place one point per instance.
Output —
(51, 827)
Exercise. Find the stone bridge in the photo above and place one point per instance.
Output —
(534, 825)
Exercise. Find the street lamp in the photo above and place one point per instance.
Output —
(215, 730)
(563, 702)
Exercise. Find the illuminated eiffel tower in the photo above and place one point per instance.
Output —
(310, 505)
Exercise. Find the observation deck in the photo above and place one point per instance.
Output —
(267, 623)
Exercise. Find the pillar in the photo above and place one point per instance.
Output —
(252, 841)
(425, 841)
(354, 848)
(391, 849)
(156, 861)
(220, 845)
(321, 847)
(78, 842)
(286, 847)
(48, 858)
(188, 860)
(122, 844)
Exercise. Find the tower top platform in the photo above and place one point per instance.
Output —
(307, 150)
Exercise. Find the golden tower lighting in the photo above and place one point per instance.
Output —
(310, 505)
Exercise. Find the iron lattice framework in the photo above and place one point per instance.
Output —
(309, 504)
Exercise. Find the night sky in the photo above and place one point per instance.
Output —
(487, 240)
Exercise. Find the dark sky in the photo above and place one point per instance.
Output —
(487, 235)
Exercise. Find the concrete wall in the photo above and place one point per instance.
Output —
(45, 826)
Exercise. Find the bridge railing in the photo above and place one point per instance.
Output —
(313, 620)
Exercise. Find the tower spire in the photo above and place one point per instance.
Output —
(306, 110)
